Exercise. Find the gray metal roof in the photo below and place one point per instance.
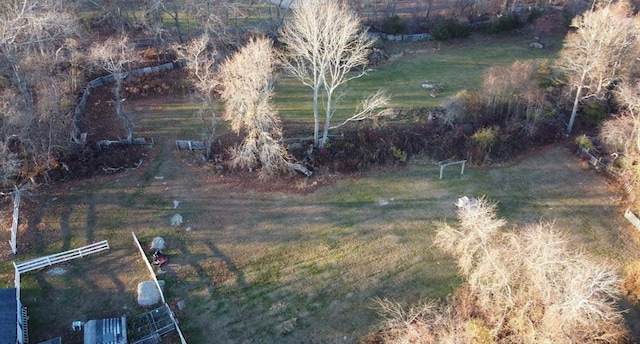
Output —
(8, 316)
(106, 331)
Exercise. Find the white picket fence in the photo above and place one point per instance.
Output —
(155, 279)
(41, 262)
(37, 263)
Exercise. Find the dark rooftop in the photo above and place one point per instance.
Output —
(8, 316)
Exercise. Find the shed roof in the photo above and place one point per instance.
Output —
(106, 331)
(8, 316)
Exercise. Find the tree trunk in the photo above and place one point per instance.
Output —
(212, 133)
(316, 120)
(176, 21)
(327, 120)
(574, 110)
(125, 119)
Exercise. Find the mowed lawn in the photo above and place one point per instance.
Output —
(455, 66)
(289, 268)
(276, 267)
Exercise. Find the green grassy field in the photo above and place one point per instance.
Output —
(288, 268)
(456, 66)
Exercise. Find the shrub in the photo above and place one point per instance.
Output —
(458, 29)
(485, 137)
(440, 32)
(393, 26)
(536, 12)
(584, 141)
(398, 153)
(594, 112)
(448, 29)
(504, 23)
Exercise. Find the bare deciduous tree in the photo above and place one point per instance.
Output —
(36, 49)
(115, 55)
(200, 57)
(220, 19)
(247, 80)
(621, 135)
(528, 285)
(513, 92)
(326, 47)
(599, 51)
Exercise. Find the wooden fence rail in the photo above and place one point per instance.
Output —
(41, 262)
(155, 279)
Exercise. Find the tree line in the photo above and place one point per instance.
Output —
(46, 59)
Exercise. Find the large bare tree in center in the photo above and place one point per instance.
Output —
(326, 47)
(247, 80)
(599, 51)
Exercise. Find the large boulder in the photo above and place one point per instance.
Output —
(157, 244)
(148, 293)
(176, 220)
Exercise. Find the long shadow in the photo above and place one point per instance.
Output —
(91, 222)
(240, 280)
(199, 269)
(31, 235)
(66, 230)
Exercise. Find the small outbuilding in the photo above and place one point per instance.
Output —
(8, 316)
(106, 331)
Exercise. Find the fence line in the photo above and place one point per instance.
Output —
(107, 79)
(401, 38)
(41, 262)
(155, 279)
(22, 328)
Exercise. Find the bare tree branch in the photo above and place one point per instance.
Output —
(599, 51)
(247, 80)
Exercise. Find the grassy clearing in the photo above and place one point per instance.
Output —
(456, 68)
(275, 267)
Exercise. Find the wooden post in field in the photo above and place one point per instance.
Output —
(14, 224)
(632, 218)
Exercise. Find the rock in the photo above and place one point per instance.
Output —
(58, 271)
(181, 304)
(176, 220)
(294, 147)
(176, 203)
(382, 202)
(288, 326)
(157, 244)
(148, 293)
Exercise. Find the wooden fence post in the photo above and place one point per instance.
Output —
(14, 224)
